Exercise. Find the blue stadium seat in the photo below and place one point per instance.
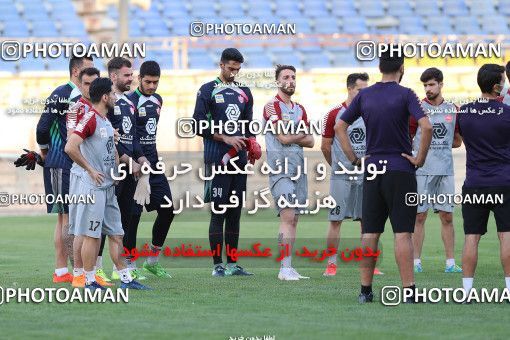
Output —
(497, 25)
(309, 45)
(200, 61)
(315, 9)
(343, 8)
(180, 26)
(426, 7)
(261, 13)
(8, 66)
(17, 29)
(286, 58)
(302, 25)
(399, 8)
(344, 59)
(257, 60)
(504, 7)
(455, 8)
(159, 30)
(177, 10)
(59, 64)
(371, 9)
(482, 8)
(44, 29)
(204, 10)
(32, 64)
(438, 25)
(354, 25)
(467, 25)
(411, 25)
(9, 16)
(326, 25)
(316, 60)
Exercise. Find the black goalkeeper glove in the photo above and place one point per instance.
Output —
(29, 159)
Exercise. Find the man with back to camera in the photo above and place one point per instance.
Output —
(348, 193)
(484, 126)
(386, 107)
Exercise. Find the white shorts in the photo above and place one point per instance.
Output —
(292, 190)
(348, 196)
(434, 185)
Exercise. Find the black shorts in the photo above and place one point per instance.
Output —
(56, 183)
(385, 196)
(476, 215)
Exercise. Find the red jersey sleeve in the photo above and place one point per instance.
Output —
(86, 126)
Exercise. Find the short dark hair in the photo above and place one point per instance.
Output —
(488, 76)
(77, 62)
(117, 63)
(353, 77)
(231, 54)
(98, 88)
(390, 62)
(432, 73)
(280, 68)
(89, 71)
(508, 70)
(150, 68)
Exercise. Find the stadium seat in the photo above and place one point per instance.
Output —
(411, 25)
(354, 25)
(496, 25)
(59, 64)
(426, 8)
(286, 58)
(343, 8)
(482, 8)
(326, 25)
(455, 8)
(438, 25)
(257, 60)
(16, 29)
(32, 64)
(302, 25)
(316, 60)
(315, 9)
(44, 29)
(400, 8)
(200, 61)
(504, 7)
(371, 9)
(467, 25)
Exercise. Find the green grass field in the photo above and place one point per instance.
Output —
(194, 305)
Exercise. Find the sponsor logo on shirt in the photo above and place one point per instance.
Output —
(357, 136)
(142, 112)
(219, 98)
(116, 110)
(439, 130)
(150, 126)
(126, 124)
(233, 112)
(103, 133)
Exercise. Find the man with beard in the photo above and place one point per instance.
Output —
(92, 148)
(154, 187)
(122, 117)
(76, 112)
(386, 107)
(282, 148)
(224, 101)
(435, 177)
(51, 137)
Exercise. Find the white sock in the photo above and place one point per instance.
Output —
(507, 281)
(467, 283)
(99, 262)
(154, 259)
(417, 262)
(450, 262)
(286, 262)
(332, 259)
(125, 275)
(78, 271)
(61, 271)
(90, 276)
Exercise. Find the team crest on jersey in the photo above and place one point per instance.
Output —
(241, 99)
(233, 112)
(448, 118)
(219, 98)
(103, 133)
(142, 112)
(150, 126)
(116, 110)
(126, 124)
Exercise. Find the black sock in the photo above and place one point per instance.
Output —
(101, 247)
(412, 288)
(216, 236)
(161, 226)
(232, 217)
(366, 289)
(129, 239)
